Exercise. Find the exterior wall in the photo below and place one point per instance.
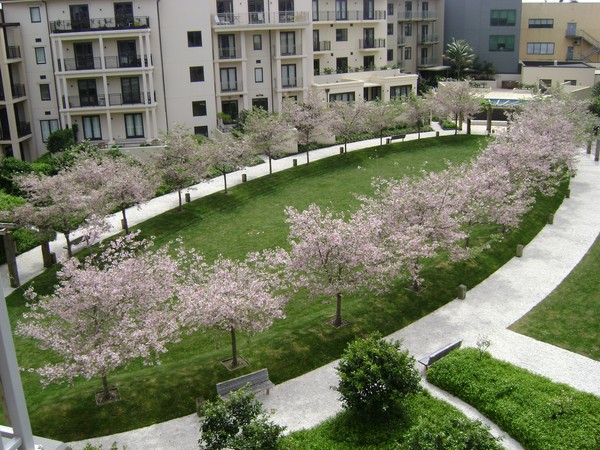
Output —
(583, 76)
(471, 20)
(579, 44)
(410, 40)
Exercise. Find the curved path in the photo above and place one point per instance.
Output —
(488, 310)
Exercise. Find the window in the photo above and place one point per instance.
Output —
(540, 48)
(341, 10)
(124, 14)
(48, 127)
(390, 29)
(201, 131)
(199, 108)
(194, 38)
(368, 9)
(397, 92)
(288, 75)
(407, 53)
(545, 83)
(502, 43)
(390, 10)
(257, 41)
(230, 110)
(408, 29)
(227, 47)
(390, 55)
(570, 82)
(342, 97)
(40, 55)
(258, 75)
(341, 34)
(34, 13)
(503, 17)
(262, 103)
(341, 65)
(541, 23)
(229, 79)
(45, 92)
(91, 128)
(288, 43)
(134, 125)
(196, 74)
(130, 90)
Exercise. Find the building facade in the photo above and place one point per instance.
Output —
(491, 27)
(123, 72)
(560, 31)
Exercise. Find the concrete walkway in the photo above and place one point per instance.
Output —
(488, 310)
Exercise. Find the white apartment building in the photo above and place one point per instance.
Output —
(125, 71)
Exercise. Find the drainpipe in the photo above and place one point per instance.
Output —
(58, 100)
(162, 64)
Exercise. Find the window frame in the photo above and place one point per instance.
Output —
(341, 35)
(40, 55)
(540, 23)
(537, 48)
(194, 38)
(259, 75)
(507, 40)
(32, 15)
(94, 120)
(137, 126)
(45, 93)
(196, 74)
(199, 108)
(503, 17)
(257, 42)
(52, 126)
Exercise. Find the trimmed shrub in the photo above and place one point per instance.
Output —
(375, 375)
(60, 140)
(537, 412)
(238, 422)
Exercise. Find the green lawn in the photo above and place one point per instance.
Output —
(250, 218)
(570, 317)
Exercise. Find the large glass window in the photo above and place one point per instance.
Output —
(134, 125)
(227, 46)
(540, 48)
(91, 128)
(503, 17)
(124, 14)
(502, 43)
(342, 97)
(256, 11)
(230, 110)
(47, 127)
(228, 79)
(541, 23)
(341, 9)
(397, 92)
(130, 90)
(288, 43)
(288, 75)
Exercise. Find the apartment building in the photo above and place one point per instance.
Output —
(560, 31)
(15, 112)
(122, 72)
(491, 27)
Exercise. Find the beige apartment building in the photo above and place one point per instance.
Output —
(560, 31)
(123, 72)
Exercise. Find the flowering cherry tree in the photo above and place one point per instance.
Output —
(416, 112)
(111, 308)
(334, 257)
(265, 133)
(180, 164)
(456, 100)
(230, 296)
(350, 118)
(383, 115)
(228, 154)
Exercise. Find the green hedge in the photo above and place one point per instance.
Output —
(537, 412)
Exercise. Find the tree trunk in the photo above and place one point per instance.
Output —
(488, 127)
(180, 203)
(234, 361)
(338, 310)
(125, 224)
(46, 254)
(468, 238)
(106, 390)
(225, 181)
(271, 165)
(345, 145)
(455, 123)
(68, 238)
(307, 158)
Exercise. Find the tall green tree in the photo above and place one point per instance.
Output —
(459, 54)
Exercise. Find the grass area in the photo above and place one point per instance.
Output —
(537, 412)
(425, 423)
(251, 218)
(569, 316)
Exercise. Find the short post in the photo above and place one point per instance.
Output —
(462, 292)
(468, 125)
(123, 224)
(10, 249)
(437, 134)
(568, 193)
(550, 219)
(294, 162)
(188, 197)
(341, 149)
(597, 152)
(588, 148)
(388, 140)
(244, 178)
(519, 250)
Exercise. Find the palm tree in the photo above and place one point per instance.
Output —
(460, 56)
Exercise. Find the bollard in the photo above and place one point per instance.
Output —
(568, 193)
(188, 197)
(437, 134)
(294, 162)
(388, 140)
(588, 148)
(550, 219)
(123, 224)
(341, 150)
(519, 250)
(244, 178)
(597, 151)
(462, 292)
(53, 258)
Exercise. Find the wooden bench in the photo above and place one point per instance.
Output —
(395, 137)
(438, 354)
(256, 382)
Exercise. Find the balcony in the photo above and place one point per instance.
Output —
(117, 99)
(13, 52)
(428, 62)
(401, 41)
(231, 86)
(230, 20)
(417, 15)
(229, 53)
(344, 16)
(289, 50)
(369, 44)
(92, 63)
(23, 129)
(125, 62)
(291, 82)
(87, 63)
(18, 90)
(426, 39)
(104, 24)
(322, 46)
